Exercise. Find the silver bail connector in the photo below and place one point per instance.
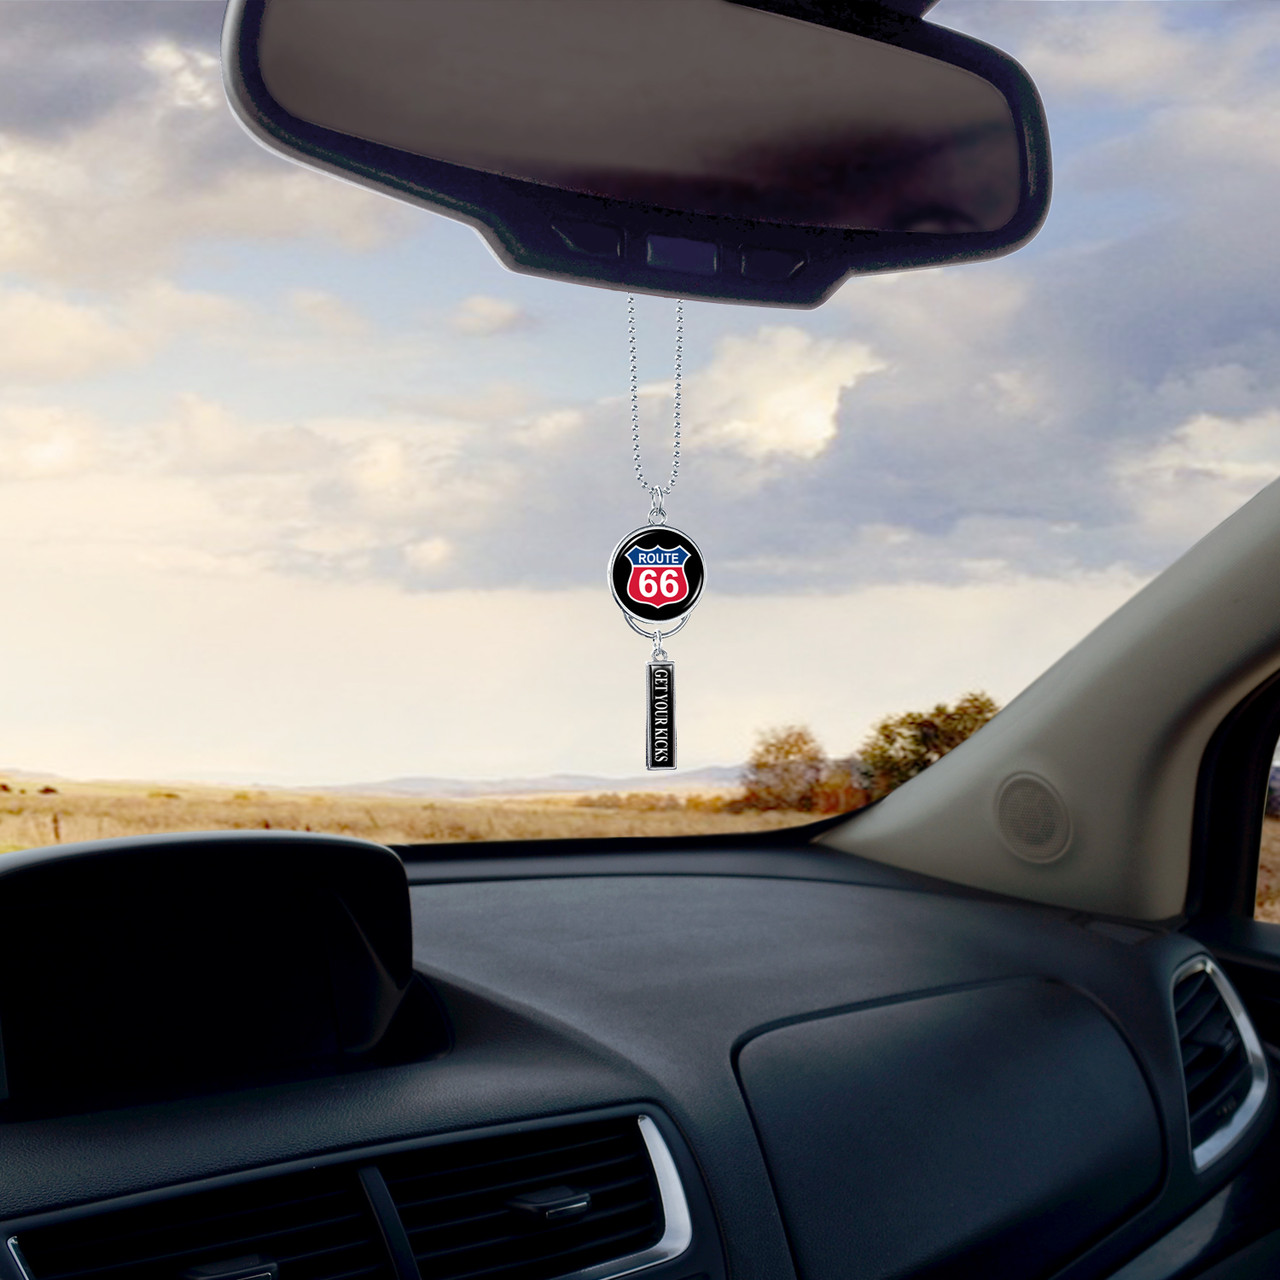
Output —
(657, 512)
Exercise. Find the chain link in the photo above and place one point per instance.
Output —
(656, 492)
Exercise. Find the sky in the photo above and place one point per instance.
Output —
(299, 485)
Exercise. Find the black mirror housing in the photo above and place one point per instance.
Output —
(637, 245)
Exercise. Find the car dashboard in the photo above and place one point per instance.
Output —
(752, 1058)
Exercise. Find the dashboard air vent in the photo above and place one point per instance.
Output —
(543, 1203)
(314, 1225)
(1222, 1060)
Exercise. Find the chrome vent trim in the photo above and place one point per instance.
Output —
(677, 1232)
(18, 1260)
(1218, 1143)
(538, 1154)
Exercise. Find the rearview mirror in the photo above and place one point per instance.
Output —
(706, 148)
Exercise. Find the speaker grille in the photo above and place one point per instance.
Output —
(1032, 818)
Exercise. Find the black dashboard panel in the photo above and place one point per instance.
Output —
(673, 973)
(579, 984)
(138, 969)
(996, 1130)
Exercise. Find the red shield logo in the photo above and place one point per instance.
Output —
(657, 575)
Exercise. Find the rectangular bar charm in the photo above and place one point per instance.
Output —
(660, 748)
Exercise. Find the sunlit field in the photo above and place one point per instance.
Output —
(34, 812)
(1268, 907)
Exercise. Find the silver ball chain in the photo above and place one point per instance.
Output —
(657, 515)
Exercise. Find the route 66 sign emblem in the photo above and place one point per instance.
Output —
(656, 574)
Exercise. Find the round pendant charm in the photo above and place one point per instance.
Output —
(656, 573)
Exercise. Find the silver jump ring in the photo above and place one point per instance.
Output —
(657, 512)
(649, 635)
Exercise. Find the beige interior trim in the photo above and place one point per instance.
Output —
(1117, 727)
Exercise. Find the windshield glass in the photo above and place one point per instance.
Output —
(306, 503)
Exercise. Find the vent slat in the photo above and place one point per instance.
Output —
(273, 1243)
(480, 1161)
(1191, 1055)
(163, 1252)
(1227, 1067)
(314, 1225)
(453, 1201)
(149, 1239)
(547, 1236)
(1224, 1082)
(1216, 1070)
(619, 1246)
(1204, 1004)
(640, 1183)
(1214, 1029)
(521, 1149)
(542, 1178)
(187, 1257)
(1208, 1062)
(1187, 989)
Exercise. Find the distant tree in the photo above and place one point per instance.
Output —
(785, 770)
(789, 770)
(842, 788)
(900, 747)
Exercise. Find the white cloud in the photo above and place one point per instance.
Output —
(1206, 469)
(1127, 51)
(843, 661)
(550, 428)
(428, 554)
(191, 77)
(924, 485)
(1211, 154)
(775, 393)
(386, 497)
(483, 316)
(329, 314)
(382, 469)
(121, 196)
(492, 401)
(1204, 88)
(946, 310)
(46, 336)
(40, 441)
(203, 486)
(201, 438)
(342, 681)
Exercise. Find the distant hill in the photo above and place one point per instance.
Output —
(26, 775)
(714, 776)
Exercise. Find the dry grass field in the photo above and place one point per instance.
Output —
(33, 812)
(1268, 907)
